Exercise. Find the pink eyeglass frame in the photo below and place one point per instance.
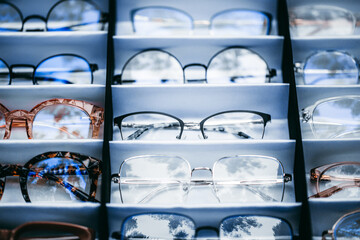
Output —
(23, 118)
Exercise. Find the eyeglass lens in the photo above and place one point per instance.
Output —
(339, 118)
(348, 228)
(321, 20)
(331, 68)
(61, 122)
(342, 176)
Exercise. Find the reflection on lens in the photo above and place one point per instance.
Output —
(61, 122)
(234, 125)
(331, 68)
(154, 179)
(4, 73)
(2, 125)
(255, 227)
(10, 18)
(43, 181)
(338, 118)
(158, 226)
(72, 15)
(152, 67)
(348, 228)
(240, 22)
(161, 21)
(63, 69)
(237, 65)
(150, 126)
(321, 20)
(248, 179)
(344, 177)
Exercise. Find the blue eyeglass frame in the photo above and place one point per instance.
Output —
(267, 15)
(104, 17)
(92, 67)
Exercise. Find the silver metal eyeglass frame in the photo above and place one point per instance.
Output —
(116, 178)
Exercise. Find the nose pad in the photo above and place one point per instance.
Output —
(195, 73)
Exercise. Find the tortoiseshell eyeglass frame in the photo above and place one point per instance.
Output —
(23, 118)
(92, 166)
(317, 175)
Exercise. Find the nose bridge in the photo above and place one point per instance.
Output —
(202, 169)
(195, 73)
(31, 23)
(19, 115)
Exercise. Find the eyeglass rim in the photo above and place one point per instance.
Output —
(46, 19)
(356, 62)
(197, 227)
(190, 171)
(95, 113)
(293, 11)
(183, 67)
(266, 14)
(48, 58)
(61, 154)
(118, 120)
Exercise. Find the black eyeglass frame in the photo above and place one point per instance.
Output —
(104, 17)
(92, 66)
(117, 79)
(118, 120)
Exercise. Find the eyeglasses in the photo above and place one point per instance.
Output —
(58, 69)
(337, 117)
(176, 226)
(337, 180)
(54, 119)
(168, 179)
(231, 65)
(55, 176)
(65, 15)
(329, 67)
(170, 21)
(48, 230)
(322, 20)
(346, 228)
(150, 125)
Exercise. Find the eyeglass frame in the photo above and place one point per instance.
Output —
(316, 175)
(117, 79)
(84, 233)
(95, 113)
(208, 22)
(332, 231)
(287, 177)
(118, 234)
(94, 170)
(265, 117)
(104, 17)
(93, 67)
(306, 114)
(299, 67)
